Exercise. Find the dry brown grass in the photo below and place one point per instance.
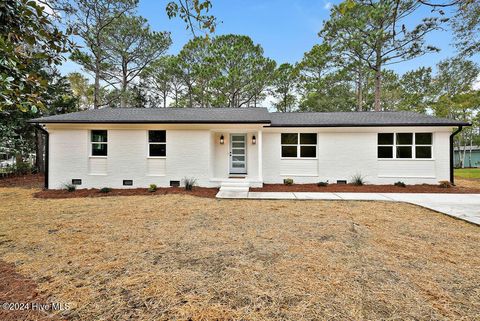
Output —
(181, 257)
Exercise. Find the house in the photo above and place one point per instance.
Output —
(135, 147)
(471, 159)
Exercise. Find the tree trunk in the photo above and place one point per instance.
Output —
(359, 91)
(378, 80)
(96, 91)
(40, 151)
(123, 91)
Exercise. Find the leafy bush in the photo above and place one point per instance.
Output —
(358, 180)
(189, 183)
(445, 184)
(22, 168)
(105, 190)
(400, 184)
(288, 181)
(69, 187)
(152, 188)
(322, 184)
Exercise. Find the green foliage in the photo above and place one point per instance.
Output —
(194, 13)
(28, 38)
(152, 188)
(466, 25)
(358, 180)
(288, 181)
(69, 187)
(285, 80)
(400, 184)
(189, 183)
(105, 190)
(322, 184)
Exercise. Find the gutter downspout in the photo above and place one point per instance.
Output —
(47, 154)
(452, 178)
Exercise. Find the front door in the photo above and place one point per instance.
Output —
(238, 154)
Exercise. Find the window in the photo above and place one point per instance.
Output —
(404, 145)
(299, 145)
(157, 143)
(99, 140)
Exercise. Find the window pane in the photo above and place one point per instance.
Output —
(158, 149)
(238, 151)
(238, 158)
(385, 152)
(238, 165)
(308, 151)
(385, 139)
(99, 149)
(289, 151)
(156, 136)
(404, 152)
(238, 144)
(99, 136)
(404, 139)
(238, 138)
(423, 138)
(289, 138)
(423, 152)
(308, 139)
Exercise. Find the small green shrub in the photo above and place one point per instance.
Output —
(152, 188)
(445, 184)
(358, 180)
(288, 181)
(189, 183)
(22, 168)
(69, 187)
(105, 190)
(322, 184)
(400, 184)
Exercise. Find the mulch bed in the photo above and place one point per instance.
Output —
(424, 188)
(15, 288)
(25, 181)
(93, 192)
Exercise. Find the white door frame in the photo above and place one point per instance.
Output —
(231, 169)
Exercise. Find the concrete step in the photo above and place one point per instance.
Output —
(235, 186)
(234, 189)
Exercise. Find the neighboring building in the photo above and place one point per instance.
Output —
(135, 147)
(471, 159)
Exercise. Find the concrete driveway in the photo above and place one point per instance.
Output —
(462, 206)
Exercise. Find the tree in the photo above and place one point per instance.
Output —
(92, 21)
(194, 13)
(284, 83)
(82, 90)
(130, 46)
(375, 33)
(27, 38)
(417, 90)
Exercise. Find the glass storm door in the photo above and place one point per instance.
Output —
(238, 154)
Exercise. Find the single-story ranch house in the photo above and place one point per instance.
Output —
(135, 147)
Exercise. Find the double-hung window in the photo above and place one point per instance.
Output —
(157, 143)
(404, 145)
(299, 145)
(99, 142)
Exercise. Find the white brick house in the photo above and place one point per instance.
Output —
(135, 147)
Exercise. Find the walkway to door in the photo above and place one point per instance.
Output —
(462, 206)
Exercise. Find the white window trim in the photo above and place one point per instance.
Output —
(92, 142)
(413, 146)
(156, 143)
(298, 145)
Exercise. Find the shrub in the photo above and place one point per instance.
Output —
(288, 181)
(189, 183)
(322, 184)
(22, 168)
(445, 184)
(400, 184)
(358, 180)
(69, 187)
(105, 190)
(152, 188)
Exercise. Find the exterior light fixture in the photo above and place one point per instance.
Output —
(222, 140)
(254, 140)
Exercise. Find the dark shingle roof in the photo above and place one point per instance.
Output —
(249, 115)
(356, 119)
(162, 115)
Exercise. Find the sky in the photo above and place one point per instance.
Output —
(286, 29)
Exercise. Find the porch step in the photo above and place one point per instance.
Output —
(232, 186)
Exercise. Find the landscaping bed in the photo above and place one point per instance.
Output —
(350, 188)
(94, 192)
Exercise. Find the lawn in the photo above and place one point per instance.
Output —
(468, 173)
(183, 257)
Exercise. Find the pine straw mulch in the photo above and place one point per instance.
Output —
(190, 258)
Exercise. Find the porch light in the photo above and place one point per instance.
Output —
(254, 140)
(222, 140)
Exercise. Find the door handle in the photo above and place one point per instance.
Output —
(230, 154)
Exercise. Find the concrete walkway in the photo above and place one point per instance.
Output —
(462, 206)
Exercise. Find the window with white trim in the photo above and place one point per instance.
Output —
(299, 145)
(157, 143)
(99, 142)
(404, 145)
